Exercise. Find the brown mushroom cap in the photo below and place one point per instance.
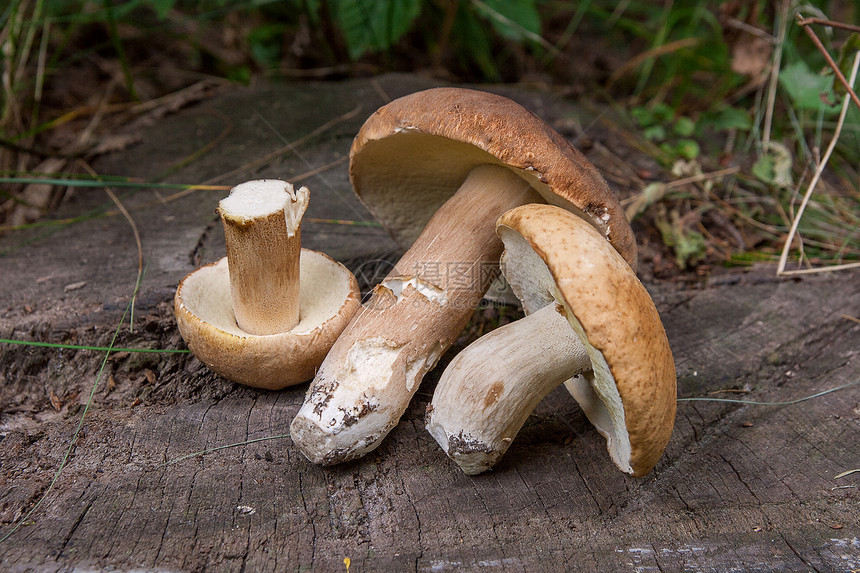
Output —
(328, 298)
(549, 258)
(412, 155)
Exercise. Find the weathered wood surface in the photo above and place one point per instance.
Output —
(741, 487)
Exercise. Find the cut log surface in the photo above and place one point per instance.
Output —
(741, 487)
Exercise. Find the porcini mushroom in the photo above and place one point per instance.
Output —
(589, 323)
(267, 313)
(437, 168)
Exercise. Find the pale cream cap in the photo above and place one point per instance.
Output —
(329, 296)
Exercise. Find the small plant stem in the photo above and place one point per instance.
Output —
(120, 52)
(780, 271)
(774, 74)
(35, 150)
(218, 448)
(829, 23)
(783, 403)
(504, 20)
(839, 75)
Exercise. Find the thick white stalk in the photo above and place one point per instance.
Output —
(489, 390)
(369, 376)
(262, 229)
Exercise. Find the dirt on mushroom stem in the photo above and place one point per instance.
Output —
(366, 382)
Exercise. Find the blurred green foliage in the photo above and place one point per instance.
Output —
(691, 76)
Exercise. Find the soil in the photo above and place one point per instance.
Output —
(741, 486)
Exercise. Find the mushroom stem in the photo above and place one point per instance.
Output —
(369, 376)
(262, 229)
(489, 389)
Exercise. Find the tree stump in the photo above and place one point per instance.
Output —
(746, 486)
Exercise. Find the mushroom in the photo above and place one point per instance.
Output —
(589, 324)
(437, 168)
(267, 313)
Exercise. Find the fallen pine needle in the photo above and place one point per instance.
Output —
(729, 391)
(224, 447)
(755, 403)
(848, 473)
(342, 222)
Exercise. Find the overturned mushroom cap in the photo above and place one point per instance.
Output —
(328, 298)
(630, 395)
(590, 320)
(414, 153)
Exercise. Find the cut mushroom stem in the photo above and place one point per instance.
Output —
(487, 392)
(369, 376)
(262, 228)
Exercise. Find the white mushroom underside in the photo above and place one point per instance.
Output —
(324, 288)
(405, 199)
(533, 283)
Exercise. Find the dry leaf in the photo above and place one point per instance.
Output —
(37, 198)
(111, 143)
(751, 56)
(55, 402)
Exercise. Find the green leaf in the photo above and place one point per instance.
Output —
(642, 116)
(373, 25)
(684, 126)
(687, 148)
(477, 44)
(265, 44)
(312, 9)
(162, 7)
(654, 133)
(511, 19)
(774, 166)
(806, 88)
(662, 112)
(727, 118)
(689, 245)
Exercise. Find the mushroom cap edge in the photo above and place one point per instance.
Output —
(467, 128)
(613, 309)
(272, 361)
